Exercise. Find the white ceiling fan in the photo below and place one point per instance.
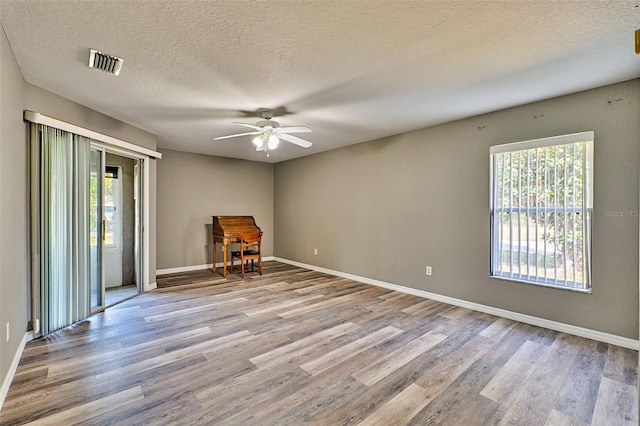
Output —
(268, 133)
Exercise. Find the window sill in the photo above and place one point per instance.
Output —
(542, 284)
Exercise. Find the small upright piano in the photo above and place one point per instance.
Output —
(227, 230)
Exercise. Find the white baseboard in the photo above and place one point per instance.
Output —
(199, 267)
(153, 286)
(613, 339)
(6, 383)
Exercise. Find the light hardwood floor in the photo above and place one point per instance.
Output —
(300, 347)
(115, 295)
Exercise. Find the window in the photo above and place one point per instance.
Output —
(112, 207)
(541, 207)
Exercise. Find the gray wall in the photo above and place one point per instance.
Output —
(421, 198)
(194, 187)
(14, 256)
(42, 101)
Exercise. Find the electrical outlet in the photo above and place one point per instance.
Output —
(315, 251)
(428, 270)
(6, 331)
(392, 265)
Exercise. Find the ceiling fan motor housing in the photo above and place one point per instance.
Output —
(268, 123)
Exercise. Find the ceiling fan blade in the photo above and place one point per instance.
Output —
(296, 140)
(236, 135)
(251, 126)
(294, 129)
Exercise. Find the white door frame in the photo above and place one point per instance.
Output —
(144, 161)
(113, 254)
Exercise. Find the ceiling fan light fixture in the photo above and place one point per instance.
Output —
(260, 142)
(273, 141)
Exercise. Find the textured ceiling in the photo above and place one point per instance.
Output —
(352, 71)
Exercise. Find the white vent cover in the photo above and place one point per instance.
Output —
(104, 62)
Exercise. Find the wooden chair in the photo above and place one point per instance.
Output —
(250, 249)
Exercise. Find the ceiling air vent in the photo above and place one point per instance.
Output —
(104, 62)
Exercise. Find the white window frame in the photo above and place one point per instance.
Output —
(586, 209)
(117, 213)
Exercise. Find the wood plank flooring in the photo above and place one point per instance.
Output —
(297, 347)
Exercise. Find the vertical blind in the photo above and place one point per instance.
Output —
(541, 206)
(61, 215)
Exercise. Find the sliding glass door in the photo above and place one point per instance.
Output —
(73, 211)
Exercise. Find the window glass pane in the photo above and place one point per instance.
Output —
(540, 227)
(109, 211)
